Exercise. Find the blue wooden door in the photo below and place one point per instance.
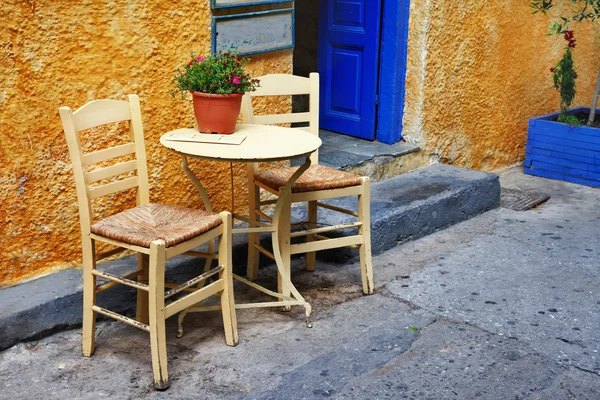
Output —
(348, 65)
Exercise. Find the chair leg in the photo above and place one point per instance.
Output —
(208, 263)
(141, 308)
(227, 299)
(253, 238)
(311, 257)
(364, 216)
(158, 340)
(88, 333)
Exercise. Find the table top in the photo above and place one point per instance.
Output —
(262, 143)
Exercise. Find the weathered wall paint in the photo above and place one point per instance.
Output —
(477, 71)
(56, 53)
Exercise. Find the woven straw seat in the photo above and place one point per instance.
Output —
(317, 177)
(143, 224)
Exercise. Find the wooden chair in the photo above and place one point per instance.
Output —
(316, 184)
(156, 232)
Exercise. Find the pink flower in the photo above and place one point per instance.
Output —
(200, 59)
(235, 80)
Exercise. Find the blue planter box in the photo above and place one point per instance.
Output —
(559, 151)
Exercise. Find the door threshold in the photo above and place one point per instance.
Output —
(377, 160)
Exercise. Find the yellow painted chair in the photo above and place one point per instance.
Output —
(156, 232)
(318, 183)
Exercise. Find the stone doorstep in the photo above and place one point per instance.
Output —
(405, 207)
(378, 161)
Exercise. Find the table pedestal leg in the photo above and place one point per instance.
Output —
(281, 240)
(283, 236)
(205, 200)
(211, 243)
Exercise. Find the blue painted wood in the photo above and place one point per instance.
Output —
(584, 134)
(392, 70)
(561, 161)
(253, 33)
(348, 65)
(559, 151)
(577, 173)
(562, 177)
(562, 151)
(240, 3)
(564, 141)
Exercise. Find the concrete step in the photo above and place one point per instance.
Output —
(402, 208)
(378, 161)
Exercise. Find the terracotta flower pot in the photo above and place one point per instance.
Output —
(216, 113)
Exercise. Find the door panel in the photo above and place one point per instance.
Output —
(348, 62)
(348, 65)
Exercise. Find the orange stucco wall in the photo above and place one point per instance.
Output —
(55, 53)
(478, 70)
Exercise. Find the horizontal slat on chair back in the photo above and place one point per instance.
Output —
(114, 187)
(112, 171)
(107, 154)
(101, 112)
(282, 85)
(281, 118)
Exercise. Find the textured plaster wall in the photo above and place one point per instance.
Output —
(55, 53)
(478, 70)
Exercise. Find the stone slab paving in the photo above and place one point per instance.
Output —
(414, 338)
(535, 276)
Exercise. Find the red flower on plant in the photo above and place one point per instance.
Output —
(235, 80)
(570, 37)
(552, 69)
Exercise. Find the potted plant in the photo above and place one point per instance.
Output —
(565, 145)
(217, 83)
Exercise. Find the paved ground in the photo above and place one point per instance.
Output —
(503, 306)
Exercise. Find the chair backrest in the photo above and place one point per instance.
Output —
(94, 114)
(286, 85)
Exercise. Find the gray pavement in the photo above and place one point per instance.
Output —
(503, 306)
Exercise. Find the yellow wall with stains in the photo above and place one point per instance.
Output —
(56, 53)
(478, 70)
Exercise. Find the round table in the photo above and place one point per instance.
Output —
(262, 143)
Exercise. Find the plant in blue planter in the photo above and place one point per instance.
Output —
(558, 150)
(564, 72)
(558, 145)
